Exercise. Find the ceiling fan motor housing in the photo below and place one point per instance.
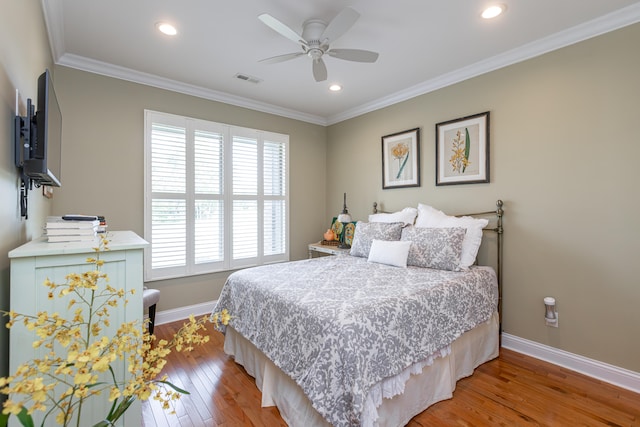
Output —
(312, 30)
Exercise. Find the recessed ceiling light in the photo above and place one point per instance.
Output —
(493, 11)
(166, 28)
(335, 88)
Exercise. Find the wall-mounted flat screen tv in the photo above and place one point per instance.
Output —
(41, 132)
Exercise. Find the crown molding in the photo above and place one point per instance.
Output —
(604, 24)
(54, 22)
(110, 70)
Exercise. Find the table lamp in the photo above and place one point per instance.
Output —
(344, 218)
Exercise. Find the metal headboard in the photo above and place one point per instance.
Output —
(498, 212)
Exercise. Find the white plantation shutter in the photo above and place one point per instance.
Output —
(209, 204)
(168, 231)
(245, 241)
(245, 231)
(245, 166)
(274, 167)
(216, 196)
(274, 227)
(168, 207)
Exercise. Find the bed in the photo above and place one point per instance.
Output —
(375, 337)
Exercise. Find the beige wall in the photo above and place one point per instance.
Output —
(24, 55)
(102, 168)
(564, 158)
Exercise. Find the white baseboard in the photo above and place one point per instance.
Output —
(173, 315)
(609, 373)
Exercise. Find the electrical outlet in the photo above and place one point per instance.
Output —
(553, 323)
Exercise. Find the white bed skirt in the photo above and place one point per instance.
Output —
(435, 382)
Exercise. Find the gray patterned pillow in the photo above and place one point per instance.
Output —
(367, 231)
(438, 248)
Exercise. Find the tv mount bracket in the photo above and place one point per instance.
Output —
(23, 132)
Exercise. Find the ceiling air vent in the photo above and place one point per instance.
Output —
(247, 78)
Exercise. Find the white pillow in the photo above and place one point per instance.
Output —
(406, 215)
(431, 217)
(428, 216)
(390, 252)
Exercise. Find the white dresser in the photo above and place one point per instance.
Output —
(38, 260)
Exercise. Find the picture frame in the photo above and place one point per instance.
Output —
(401, 159)
(462, 150)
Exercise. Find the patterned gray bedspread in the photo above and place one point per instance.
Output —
(337, 325)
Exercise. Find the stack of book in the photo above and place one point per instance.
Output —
(72, 228)
(102, 228)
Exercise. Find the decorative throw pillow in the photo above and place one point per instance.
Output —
(406, 215)
(341, 230)
(434, 247)
(390, 252)
(367, 231)
(433, 218)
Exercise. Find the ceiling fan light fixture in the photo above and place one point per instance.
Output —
(166, 28)
(493, 11)
(315, 53)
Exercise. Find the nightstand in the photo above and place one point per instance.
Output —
(326, 249)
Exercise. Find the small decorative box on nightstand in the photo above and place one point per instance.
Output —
(326, 249)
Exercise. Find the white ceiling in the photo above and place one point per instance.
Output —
(423, 45)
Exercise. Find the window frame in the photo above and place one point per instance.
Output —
(228, 132)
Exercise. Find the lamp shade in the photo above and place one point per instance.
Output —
(344, 218)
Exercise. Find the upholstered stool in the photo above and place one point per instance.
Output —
(150, 298)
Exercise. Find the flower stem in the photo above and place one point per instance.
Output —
(404, 163)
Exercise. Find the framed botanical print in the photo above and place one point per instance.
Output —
(401, 159)
(462, 150)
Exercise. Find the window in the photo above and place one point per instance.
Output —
(216, 196)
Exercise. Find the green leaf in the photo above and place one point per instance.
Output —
(103, 423)
(467, 146)
(120, 409)
(113, 408)
(179, 390)
(4, 419)
(25, 418)
(95, 384)
(404, 163)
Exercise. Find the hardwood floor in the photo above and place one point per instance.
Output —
(512, 390)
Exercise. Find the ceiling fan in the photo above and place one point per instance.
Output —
(315, 40)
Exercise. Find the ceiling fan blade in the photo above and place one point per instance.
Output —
(281, 58)
(319, 70)
(281, 28)
(340, 24)
(356, 55)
